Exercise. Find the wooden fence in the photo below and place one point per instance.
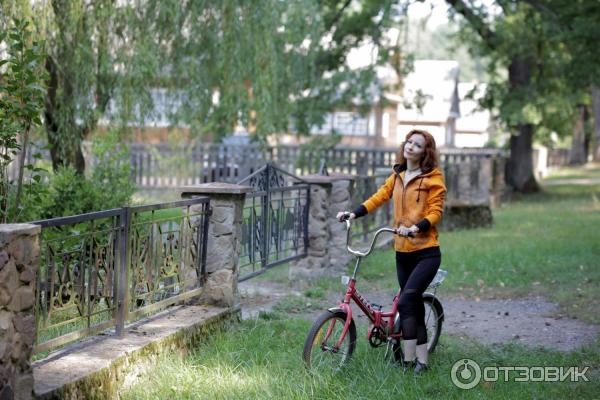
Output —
(167, 166)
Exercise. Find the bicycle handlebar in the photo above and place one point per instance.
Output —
(363, 253)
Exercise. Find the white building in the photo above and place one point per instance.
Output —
(432, 99)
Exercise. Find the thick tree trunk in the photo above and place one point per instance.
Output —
(519, 169)
(577, 153)
(63, 152)
(596, 113)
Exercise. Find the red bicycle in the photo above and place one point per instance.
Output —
(332, 337)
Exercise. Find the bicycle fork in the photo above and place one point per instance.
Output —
(348, 310)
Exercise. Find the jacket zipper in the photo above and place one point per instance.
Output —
(406, 187)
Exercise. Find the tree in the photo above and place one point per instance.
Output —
(548, 49)
(21, 100)
(578, 31)
(225, 63)
(86, 47)
(509, 42)
(260, 63)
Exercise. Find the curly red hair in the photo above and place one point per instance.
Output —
(430, 157)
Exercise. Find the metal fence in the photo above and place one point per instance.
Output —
(275, 221)
(103, 269)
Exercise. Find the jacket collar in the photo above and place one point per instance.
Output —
(398, 168)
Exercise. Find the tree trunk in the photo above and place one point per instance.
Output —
(577, 153)
(519, 168)
(62, 151)
(596, 113)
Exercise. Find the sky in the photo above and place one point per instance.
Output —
(436, 10)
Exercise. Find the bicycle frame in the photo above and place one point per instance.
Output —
(384, 324)
(377, 317)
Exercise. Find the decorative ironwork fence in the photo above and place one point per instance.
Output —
(275, 227)
(102, 269)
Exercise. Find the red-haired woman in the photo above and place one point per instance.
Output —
(417, 188)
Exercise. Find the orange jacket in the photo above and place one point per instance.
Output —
(421, 202)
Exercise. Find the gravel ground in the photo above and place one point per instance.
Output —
(533, 321)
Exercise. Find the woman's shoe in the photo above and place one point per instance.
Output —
(419, 367)
(408, 365)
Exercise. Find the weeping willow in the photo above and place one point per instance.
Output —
(260, 64)
(232, 62)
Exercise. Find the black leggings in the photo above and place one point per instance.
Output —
(415, 272)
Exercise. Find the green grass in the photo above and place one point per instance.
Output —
(298, 304)
(261, 359)
(590, 171)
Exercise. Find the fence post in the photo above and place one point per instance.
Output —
(123, 271)
(19, 265)
(224, 238)
(327, 253)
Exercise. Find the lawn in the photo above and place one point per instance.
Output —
(261, 359)
(545, 244)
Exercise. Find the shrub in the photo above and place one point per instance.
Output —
(107, 186)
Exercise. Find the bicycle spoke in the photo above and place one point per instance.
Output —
(324, 355)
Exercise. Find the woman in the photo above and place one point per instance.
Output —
(417, 188)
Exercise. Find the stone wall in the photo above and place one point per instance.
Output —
(19, 263)
(327, 253)
(340, 199)
(475, 186)
(224, 238)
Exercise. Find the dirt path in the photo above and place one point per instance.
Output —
(531, 321)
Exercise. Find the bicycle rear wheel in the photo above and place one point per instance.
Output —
(321, 354)
(434, 316)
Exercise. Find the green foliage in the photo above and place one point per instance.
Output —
(554, 42)
(84, 77)
(259, 64)
(67, 192)
(112, 172)
(21, 101)
(443, 43)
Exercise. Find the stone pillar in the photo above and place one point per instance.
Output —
(19, 264)
(500, 192)
(468, 203)
(327, 253)
(224, 238)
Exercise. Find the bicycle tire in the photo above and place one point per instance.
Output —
(320, 360)
(433, 320)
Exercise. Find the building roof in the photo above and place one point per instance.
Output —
(472, 119)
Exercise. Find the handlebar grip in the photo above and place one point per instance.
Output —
(345, 217)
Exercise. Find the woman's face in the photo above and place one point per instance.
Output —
(414, 147)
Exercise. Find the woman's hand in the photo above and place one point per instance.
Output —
(404, 231)
(340, 216)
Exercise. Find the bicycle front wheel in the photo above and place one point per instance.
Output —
(321, 352)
